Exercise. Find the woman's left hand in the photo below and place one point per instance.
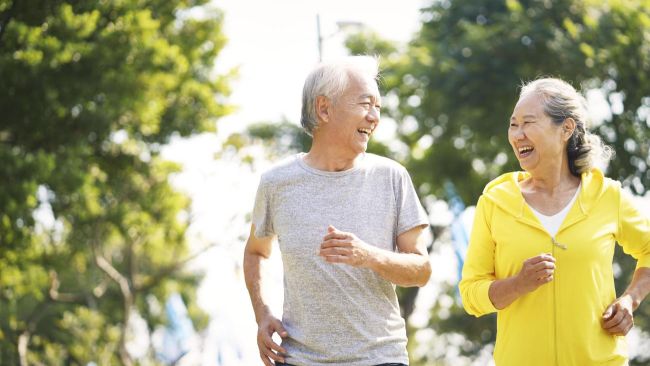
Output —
(618, 318)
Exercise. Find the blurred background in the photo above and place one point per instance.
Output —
(133, 134)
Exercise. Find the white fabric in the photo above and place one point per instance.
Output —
(552, 223)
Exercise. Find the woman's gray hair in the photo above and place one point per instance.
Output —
(330, 79)
(561, 101)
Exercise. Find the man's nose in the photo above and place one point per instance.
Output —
(374, 113)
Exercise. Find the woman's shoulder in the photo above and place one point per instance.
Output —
(597, 183)
(507, 181)
(504, 192)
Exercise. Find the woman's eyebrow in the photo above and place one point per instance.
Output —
(525, 116)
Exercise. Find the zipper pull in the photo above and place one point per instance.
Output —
(559, 245)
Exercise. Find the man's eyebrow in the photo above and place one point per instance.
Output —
(368, 95)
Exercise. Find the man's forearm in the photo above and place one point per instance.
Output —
(254, 283)
(402, 269)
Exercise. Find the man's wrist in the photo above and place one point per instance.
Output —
(262, 312)
(373, 258)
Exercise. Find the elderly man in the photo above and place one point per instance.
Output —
(349, 227)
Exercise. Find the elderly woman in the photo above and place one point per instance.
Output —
(541, 248)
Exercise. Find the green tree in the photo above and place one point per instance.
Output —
(91, 91)
(453, 88)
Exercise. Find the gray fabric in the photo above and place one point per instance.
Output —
(337, 314)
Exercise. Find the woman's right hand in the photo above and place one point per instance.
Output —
(536, 271)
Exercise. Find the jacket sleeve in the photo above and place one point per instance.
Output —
(633, 231)
(478, 270)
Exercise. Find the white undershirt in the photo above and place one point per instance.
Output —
(552, 223)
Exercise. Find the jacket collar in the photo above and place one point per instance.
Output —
(505, 193)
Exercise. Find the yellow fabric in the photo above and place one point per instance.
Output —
(560, 322)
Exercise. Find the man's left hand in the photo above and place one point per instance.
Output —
(618, 318)
(342, 247)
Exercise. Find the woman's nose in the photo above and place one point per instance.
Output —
(518, 133)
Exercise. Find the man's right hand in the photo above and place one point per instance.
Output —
(535, 272)
(269, 350)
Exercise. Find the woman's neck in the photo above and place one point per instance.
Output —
(550, 181)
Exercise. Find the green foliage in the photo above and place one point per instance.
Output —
(91, 91)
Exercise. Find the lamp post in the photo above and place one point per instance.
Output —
(341, 25)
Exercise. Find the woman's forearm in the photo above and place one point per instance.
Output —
(639, 287)
(504, 292)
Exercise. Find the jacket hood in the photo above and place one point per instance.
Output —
(505, 193)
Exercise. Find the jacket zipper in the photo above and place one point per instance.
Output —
(564, 247)
(557, 244)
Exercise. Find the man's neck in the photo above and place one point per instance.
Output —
(330, 158)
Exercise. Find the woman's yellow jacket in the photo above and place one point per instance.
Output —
(559, 323)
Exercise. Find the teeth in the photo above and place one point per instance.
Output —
(365, 130)
(525, 149)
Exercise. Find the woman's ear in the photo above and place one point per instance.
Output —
(568, 127)
(323, 104)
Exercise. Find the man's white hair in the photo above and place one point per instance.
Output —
(330, 79)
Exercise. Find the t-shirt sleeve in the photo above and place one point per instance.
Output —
(411, 214)
(262, 211)
(633, 230)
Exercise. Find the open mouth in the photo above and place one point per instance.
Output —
(365, 131)
(525, 151)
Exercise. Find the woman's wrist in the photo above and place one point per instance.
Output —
(634, 298)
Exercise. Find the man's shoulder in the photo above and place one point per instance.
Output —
(281, 170)
(383, 163)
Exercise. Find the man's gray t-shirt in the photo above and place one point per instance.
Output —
(337, 314)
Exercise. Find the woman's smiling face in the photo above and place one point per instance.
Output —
(535, 139)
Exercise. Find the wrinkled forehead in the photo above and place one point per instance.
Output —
(362, 85)
(529, 103)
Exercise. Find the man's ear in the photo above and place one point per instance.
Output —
(323, 104)
(568, 127)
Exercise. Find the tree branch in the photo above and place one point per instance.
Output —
(25, 336)
(54, 293)
(115, 275)
(56, 296)
(168, 270)
(127, 297)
